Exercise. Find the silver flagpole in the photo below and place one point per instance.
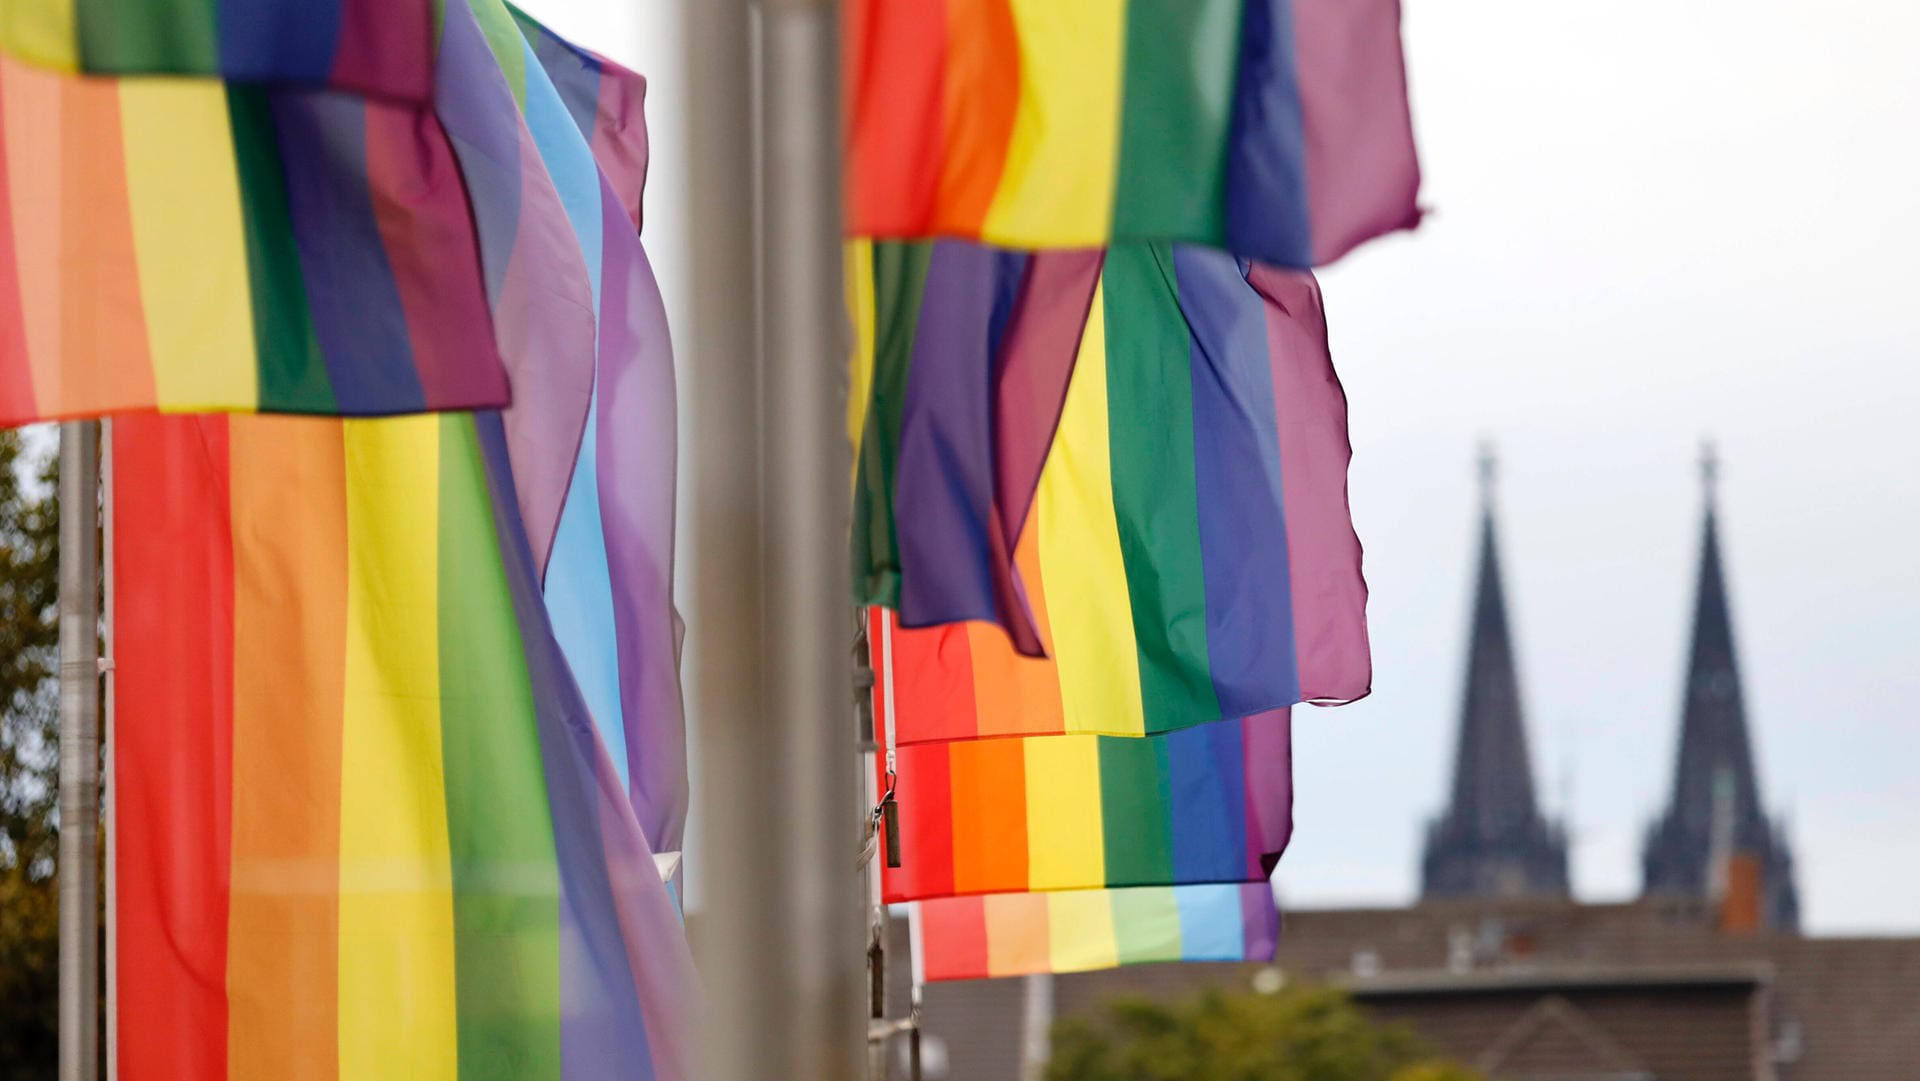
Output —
(107, 680)
(778, 927)
(79, 751)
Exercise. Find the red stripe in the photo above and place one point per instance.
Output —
(933, 684)
(924, 799)
(894, 67)
(173, 628)
(386, 48)
(953, 938)
(16, 373)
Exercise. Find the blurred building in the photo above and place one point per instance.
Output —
(1704, 978)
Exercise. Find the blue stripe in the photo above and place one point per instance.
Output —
(1267, 153)
(358, 316)
(579, 595)
(1210, 923)
(263, 40)
(1207, 776)
(1236, 452)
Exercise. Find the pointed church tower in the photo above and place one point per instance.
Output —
(1492, 840)
(1715, 823)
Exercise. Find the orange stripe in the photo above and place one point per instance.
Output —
(1017, 939)
(989, 785)
(1017, 695)
(290, 633)
(103, 333)
(982, 96)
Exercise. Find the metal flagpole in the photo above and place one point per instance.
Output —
(107, 680)
(778, 927)
(1036, 1026)
(79, 751)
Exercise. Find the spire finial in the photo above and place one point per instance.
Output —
(1709, 469)
(1488, 466)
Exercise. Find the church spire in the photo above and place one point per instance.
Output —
(1715, 813)
(1492, 840)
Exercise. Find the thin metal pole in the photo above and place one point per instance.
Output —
(107, 680)
(779, 926)
(79, 751)
(1036, 1026)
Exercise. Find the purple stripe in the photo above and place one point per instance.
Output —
(636, 449)
(1259, 920)
(1237, 485)
(1328, 589)
(1268, 751)
(1266, 180)
(1362, 173)
(613, 905)
(537, 279)
(943, 487)
(358, 317)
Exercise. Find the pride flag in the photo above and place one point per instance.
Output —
(1190, 554)
(607, 565)
(1210, 803)
(378, 47)
(1020, 934)
(1276, 129)
(184, 245)
(364, 826)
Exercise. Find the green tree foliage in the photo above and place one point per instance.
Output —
(29, 761)
(1313, 1034)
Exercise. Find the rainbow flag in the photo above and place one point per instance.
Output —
(379, 47)
(608, 564)
(184, 245)
(962, 359)
(1020, 934)
(1210, 803)
(364, 826)
(1277, 129)
(1190, 555)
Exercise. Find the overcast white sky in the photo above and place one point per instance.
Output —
(1653, 221)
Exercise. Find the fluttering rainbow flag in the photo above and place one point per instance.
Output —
(961, 363)
(1190, 555)
(379, 47)
(1210, 803)
(607, 565)
(364, 825)
(1276, 129)
(185, 245)
(1021, 934)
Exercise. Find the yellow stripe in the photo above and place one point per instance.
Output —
(1056, 189)
(861, 309)
(1064, 846)
(40, 31)
(396, 897)
(1080, 562)
(1080, 931)
(190, 243)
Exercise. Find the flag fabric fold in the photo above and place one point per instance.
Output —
(380, 48)
(1189, 554)
(364, 823)
(1275, 129)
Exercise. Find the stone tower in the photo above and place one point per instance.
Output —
(1715, 814)
(1492, 840)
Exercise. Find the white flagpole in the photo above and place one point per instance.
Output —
(79, 751)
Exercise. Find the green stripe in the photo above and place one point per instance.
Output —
(148, 35)
(1176, 113)
(1146, 925)
(506, 880)
(1136, 807)
(1150, 431)
(899, 279)
(293, 372)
